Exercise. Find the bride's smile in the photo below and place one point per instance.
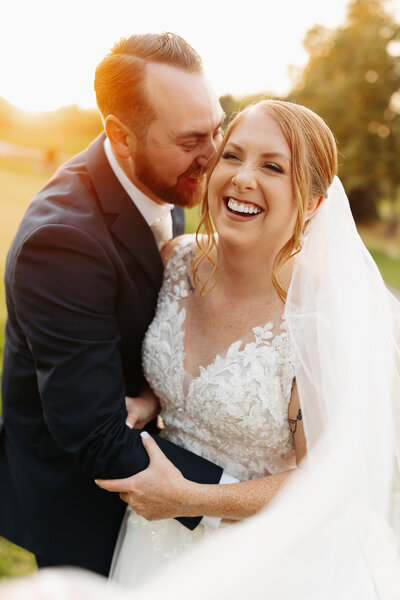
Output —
(242, 208)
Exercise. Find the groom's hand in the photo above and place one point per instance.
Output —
(142, 409)
(158, 492)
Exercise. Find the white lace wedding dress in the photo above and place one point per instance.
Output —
(235, 414)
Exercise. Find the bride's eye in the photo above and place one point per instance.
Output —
(273, 167)
(228, 155)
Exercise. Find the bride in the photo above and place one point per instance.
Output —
(272, 354)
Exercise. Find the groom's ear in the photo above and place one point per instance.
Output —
(313, 206)
(122, 139)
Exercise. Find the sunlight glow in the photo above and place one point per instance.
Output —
(49, 57)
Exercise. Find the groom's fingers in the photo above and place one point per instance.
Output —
(132, 412)
(114, 485)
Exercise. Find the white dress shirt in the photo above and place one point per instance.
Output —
(152, 211)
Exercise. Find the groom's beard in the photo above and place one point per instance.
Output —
(187, 191)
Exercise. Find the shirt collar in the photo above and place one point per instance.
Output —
(150, 210)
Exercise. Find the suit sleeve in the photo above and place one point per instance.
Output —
(65, 288)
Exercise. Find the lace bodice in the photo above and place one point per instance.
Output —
(235, 412)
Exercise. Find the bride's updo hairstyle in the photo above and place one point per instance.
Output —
(314, 164)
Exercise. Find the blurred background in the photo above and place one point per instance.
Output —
(341, 59)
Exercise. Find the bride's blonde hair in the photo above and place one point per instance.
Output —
(314, 165)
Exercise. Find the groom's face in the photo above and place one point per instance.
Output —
(169, 161)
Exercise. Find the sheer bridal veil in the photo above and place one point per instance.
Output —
(332, 532)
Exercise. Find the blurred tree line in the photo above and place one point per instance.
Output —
(66, 130)
(352, 80)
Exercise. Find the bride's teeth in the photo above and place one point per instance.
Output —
(242, 208)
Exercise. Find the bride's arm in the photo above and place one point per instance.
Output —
(297, 426)
(162, 492)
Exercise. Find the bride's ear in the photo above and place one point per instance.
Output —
(312, 207)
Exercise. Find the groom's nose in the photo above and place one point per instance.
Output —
(208, 148)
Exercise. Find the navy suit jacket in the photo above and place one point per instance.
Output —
(82, 279)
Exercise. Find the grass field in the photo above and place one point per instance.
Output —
(14, 561)
(19, 181)
(385, 251)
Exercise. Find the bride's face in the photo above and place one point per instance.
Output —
(250, 191)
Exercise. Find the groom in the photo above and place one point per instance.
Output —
(82, 278)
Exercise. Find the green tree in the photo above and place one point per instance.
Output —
(352, 80)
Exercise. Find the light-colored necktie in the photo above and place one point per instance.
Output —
(162, 228)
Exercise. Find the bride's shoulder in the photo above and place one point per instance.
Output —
(181, 245)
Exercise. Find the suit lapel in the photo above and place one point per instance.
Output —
(129, 225)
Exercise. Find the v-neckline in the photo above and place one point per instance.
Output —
(262, 330)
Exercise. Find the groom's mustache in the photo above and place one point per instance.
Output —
(193, 171)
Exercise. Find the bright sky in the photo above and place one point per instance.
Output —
(49, 49)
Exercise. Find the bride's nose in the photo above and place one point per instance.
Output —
(244, 179)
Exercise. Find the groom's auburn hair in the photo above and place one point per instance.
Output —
(119, 77)
(314, 165)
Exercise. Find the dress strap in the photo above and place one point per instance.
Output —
(177, 274)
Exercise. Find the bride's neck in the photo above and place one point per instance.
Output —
(250, 271)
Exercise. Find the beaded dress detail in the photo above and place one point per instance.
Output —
(234, 413)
